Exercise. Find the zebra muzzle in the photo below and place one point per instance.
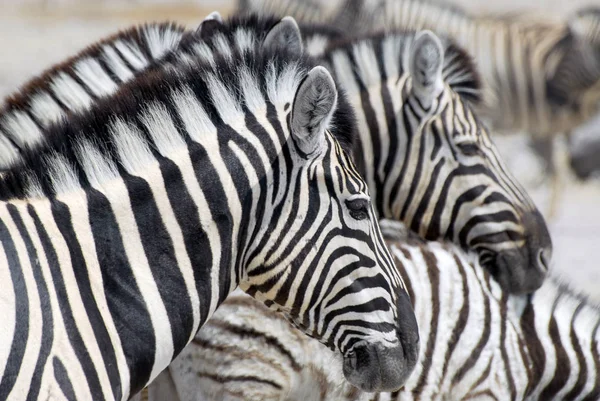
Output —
(375, 367)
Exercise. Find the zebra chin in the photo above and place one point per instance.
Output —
(378, 368)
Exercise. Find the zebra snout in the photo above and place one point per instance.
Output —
(378, 367)
(523, 269)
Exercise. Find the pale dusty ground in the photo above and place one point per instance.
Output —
(34, 34)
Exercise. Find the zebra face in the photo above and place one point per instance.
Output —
(453, 183)
(481, 206)
(322, 260)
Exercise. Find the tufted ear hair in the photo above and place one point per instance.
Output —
(284, 36)
(209, 24)
(314, 104)
(425, 64)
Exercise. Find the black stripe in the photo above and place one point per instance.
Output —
(434, 278)
(503, 345)
(62, 378)
(434, 230)
(224, 379)
(418, 218)
(534, 347)
(69, 319)
(160, 254)
(461, 318)
(62, 218)
(17, 349)
(583, 373)
(595, 393)
(415, 180)
(125, 302)
(563, 365)
(477, 350)
(45, 305)
(249, 332)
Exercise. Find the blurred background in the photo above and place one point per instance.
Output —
(34, 34)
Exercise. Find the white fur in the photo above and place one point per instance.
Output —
(21, 128)
(93, 75)
(133, 151)
(8, 153)
(222, 46)
(45, 109)
(132, 54)
(161, 41)
(62, 174)
(70, 92)
(244, 40)
(7, 310)
(162, 129)
(98, 169)
(116, 64)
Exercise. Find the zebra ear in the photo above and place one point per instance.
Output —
(284, 36)
(314, 104)
(425, 66)
(209, 24)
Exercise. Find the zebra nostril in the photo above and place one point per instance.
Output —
(544, 256)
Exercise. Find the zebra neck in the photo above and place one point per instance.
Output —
(132, 268)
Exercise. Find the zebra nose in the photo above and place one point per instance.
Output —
(377, 367)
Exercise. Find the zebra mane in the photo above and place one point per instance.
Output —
(459, 69)
(59, 165)
(152, 40)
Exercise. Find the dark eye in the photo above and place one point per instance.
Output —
(359, 208)
(469, 149)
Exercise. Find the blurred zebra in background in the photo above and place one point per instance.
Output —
(122, 235)
(426, 157)
(539, 76)
(478, 342)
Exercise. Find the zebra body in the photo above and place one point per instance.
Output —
(120, 238)
(425, 189)
(479, 342)
(539, 75)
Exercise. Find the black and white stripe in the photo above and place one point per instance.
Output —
(471, 200)
(429, 160)
(127, 230)
(479, 342)
(79, 82)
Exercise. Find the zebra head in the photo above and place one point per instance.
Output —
(321, 258)
(465, 192)
(313, 249)
(429, 161)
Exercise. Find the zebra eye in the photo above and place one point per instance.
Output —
(469, 149)
(359, 208)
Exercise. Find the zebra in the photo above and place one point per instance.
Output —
(494, 216)
(126, 231)
(539, 76)
(430, 161)
(479, 342)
